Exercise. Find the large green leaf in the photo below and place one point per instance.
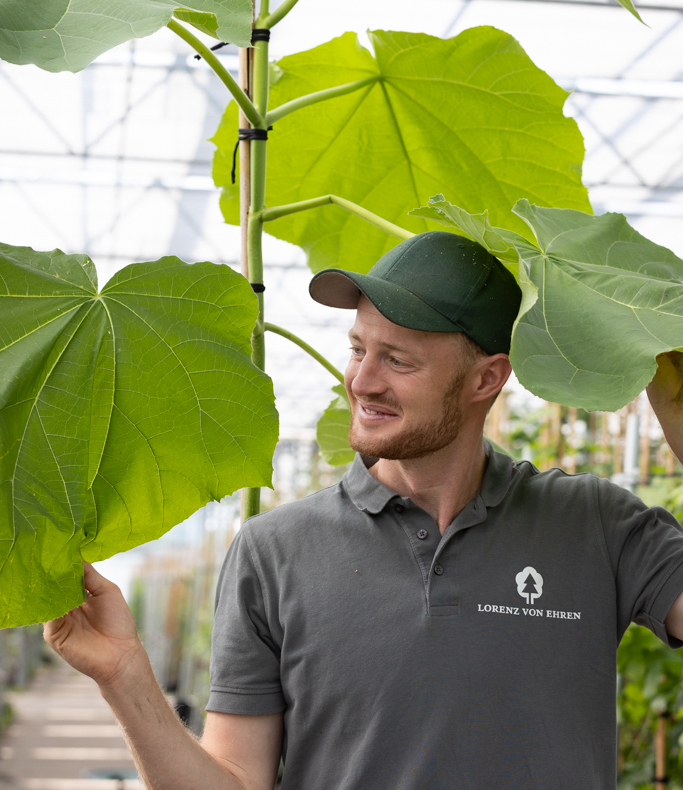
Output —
(599, 302)
(608, 301)
(121, 413)
(471, 115)
(498, 241)
(66, 35)
(332, 433)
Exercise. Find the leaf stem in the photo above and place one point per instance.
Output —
(257, 173)
(276, 212)
(280, 12)
(318, 96)
(278, 330)
(223, 74)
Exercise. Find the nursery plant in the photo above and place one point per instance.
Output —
(124, 409)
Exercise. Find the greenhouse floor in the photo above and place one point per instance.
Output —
(64, 737)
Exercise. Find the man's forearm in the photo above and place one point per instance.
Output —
(167, 756)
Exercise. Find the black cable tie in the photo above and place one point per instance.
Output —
(214, 48)
(246, 134)
(258, 288)
(260, 34)
(664, 780)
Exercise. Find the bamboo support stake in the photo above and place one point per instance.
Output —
(556, 434)
(545, 440)
(645, 443)
(670, 464)
(618, 455)
(592, 435)
(661, 780)
(493, 421)
(605, 438)
(571, 419)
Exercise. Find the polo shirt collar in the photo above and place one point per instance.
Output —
(371, 496)
(498, 476)
(366, 492)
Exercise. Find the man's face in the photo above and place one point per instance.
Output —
(404, 387)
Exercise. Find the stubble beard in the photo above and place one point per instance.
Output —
(421, 440)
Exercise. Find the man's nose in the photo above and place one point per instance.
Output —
(366, 379)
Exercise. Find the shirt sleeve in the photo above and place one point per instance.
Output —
(245, 660)
(645, 547)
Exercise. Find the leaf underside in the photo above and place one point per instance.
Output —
(471, 116)
(608, 301)
(66, 35)
(599, 302)
(121, 413)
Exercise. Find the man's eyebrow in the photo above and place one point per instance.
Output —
(389, 346)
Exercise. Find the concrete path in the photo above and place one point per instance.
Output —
(64, 737)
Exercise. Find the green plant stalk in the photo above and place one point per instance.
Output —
(269, 214)
(224, 75)
(280, 12)
(318, 96)
(258, 151)
(278, 330)
(263, 13)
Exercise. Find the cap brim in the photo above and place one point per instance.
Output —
(339, 288)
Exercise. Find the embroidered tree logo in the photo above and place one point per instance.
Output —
(529, 584)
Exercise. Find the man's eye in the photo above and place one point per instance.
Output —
(356, 351)
(397, 363)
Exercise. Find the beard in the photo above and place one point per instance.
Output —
(420, 440)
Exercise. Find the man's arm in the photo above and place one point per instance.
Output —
(674, 619)
(665, 392)
(100, 639)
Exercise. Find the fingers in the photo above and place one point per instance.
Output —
(51, 627)
(54, 630)
(93, 581)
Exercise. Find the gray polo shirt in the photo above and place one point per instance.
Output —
(481, 659)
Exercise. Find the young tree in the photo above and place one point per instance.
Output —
(126, 409)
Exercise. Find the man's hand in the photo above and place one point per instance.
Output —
(665, 392)
(99, 638)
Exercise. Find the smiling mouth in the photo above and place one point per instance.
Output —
(372, 410)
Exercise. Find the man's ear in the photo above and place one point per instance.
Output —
(491, 374)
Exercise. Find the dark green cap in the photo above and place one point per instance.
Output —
(436, 282)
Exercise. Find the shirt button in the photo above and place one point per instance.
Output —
(399, 508)
(438, 570)
(422, 534)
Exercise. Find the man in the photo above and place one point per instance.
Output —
(442, 618)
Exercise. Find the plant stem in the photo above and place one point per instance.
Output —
(255, 118)
(245, 81)
(278, 330)
(258, 150)
(280, 12)
(318, 96)
(245, 160)
(276, 212)
(263, 12)
(251, 502)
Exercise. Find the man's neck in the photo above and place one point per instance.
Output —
(442, 483)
